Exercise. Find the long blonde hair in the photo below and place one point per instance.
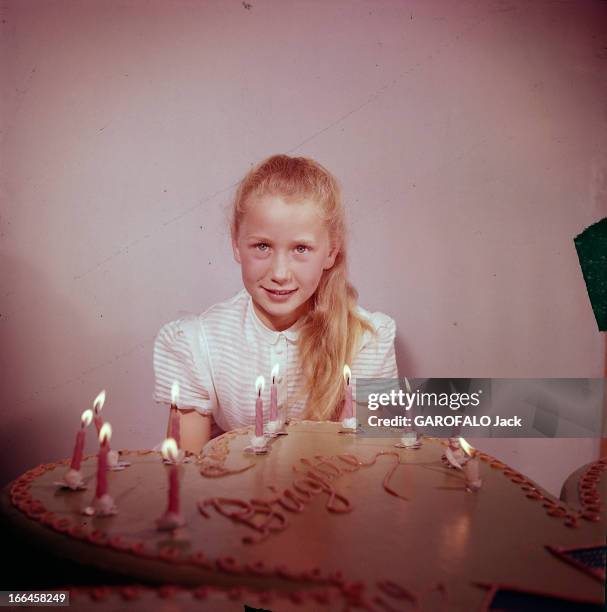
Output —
(331, 329)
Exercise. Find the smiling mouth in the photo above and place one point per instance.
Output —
(280, 292)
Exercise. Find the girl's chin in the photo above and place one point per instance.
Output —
(278, 316)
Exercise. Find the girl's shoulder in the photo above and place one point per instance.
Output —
(190, 325)
(381, 322)
(233, 308)
(384, 330)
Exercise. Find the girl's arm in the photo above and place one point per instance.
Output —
(195, 429)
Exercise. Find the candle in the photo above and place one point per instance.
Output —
(104, 436)
(274, 394)
(259, 386)
(471, 467)
(172, 518)
(348, 412)
(97, 408)
(175, 418)
(169, 452)
(85, 421)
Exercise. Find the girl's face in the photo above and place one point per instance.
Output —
(283, 250)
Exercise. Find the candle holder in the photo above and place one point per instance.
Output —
(170, 521)
(179, 459)
(73, 480)
(114, 464)
(101, 506)
(411, 440)
(472, 471)
(272, 428)
(454, 454)
(474, 485)
(258, 446)
(275, 428)
(349, 425)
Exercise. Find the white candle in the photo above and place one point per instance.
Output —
(471, 467)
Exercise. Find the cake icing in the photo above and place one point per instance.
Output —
(379, 523)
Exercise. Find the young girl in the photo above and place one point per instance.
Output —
(297, 310)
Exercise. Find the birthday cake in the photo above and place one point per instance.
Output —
(323, 520)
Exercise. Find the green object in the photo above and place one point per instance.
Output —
(591, 247)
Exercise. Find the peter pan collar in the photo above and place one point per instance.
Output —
(269, 335)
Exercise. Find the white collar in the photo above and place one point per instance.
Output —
(269, 335)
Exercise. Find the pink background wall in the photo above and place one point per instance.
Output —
(470, 139)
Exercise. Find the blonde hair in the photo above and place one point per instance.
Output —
(331, 329)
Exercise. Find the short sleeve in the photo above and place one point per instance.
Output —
(181, 354)
(376, 358)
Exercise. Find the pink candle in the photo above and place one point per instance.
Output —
(274, 395)
(102, 471)
(348, 410)
(85, 421)
(104, 449)
(169, 452)
(175, 432)
(259, 384)
(173, 489)
(77, 456)
(175, 425)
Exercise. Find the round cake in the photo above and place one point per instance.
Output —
(323, 520)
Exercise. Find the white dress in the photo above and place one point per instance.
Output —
(217, 356)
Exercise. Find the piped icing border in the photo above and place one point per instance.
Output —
(388, 595)
(22, 499)
(591, 509)
(322, 470)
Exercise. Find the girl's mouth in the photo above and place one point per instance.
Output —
(282, 293)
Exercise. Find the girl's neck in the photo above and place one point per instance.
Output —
(280, 324)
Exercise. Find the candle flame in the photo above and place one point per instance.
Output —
(260, 384)
(99, 401)
(169, 449)
(407, 385)
(275, 371)
(105, 433)
(174, 392)
(347, 374)
(467, 448)
(86, 418)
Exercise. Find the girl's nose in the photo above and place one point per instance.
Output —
(280, 269)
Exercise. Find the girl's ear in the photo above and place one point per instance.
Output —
(235, 250)
(330, 260)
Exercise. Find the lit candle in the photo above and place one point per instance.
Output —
(169, 452)
(471, 467)
(259, 386)
(85, 421)
(274, 394)
(172, 518)
(104, 436)
(97, 408)
(175, 422)
(348, 410)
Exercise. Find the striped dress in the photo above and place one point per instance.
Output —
(217, 356)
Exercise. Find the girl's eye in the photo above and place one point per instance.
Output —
(261, 246)
(302, 248)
